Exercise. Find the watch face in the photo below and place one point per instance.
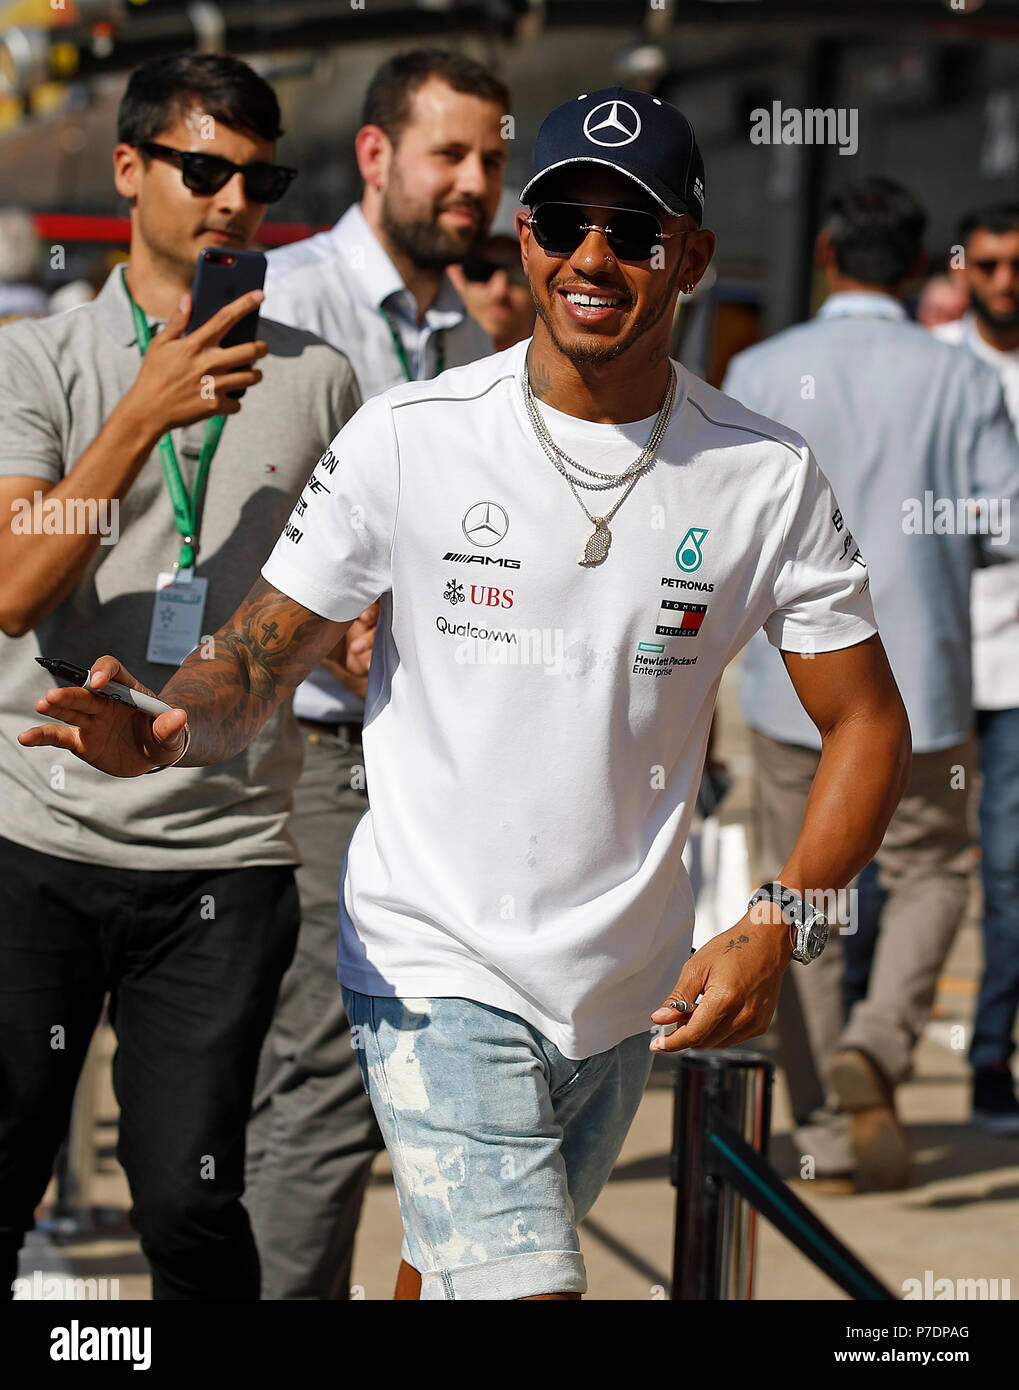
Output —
(817, 938)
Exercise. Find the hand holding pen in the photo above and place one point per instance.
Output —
(110, 720)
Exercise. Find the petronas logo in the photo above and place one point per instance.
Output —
(688, 556)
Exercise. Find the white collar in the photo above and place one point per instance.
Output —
(378, 280)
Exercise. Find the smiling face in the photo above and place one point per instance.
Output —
(594, 306)
(176, 224)
(439, 185)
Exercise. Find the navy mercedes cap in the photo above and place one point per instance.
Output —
(639, 135)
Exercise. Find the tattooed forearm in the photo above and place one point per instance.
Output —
(260, 657)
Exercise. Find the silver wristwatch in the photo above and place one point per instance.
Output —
(811, 926)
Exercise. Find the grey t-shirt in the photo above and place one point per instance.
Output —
(60, 379)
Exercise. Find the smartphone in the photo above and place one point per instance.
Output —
(222, 276)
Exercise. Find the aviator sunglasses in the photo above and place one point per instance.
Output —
(632, 235)
(205, 174)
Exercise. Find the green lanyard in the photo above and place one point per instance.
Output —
(185, 508)
(440, 347)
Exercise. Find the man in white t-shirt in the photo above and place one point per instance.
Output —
(431, 152)
(569, 540)
(990, 242)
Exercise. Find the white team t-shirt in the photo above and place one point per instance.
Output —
(535, 730)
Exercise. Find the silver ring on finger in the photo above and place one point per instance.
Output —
(680, 1004)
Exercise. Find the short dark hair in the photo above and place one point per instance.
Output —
(162, 91)
(387, 101)
(995, 217)
(876, 230)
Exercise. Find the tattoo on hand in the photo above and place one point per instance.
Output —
(736, 945)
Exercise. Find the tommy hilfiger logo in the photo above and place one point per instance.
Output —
(677, 619)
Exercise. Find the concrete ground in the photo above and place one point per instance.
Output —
(958, 1219)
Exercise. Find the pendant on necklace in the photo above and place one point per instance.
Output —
(598, 543)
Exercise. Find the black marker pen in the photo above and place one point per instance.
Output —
(113, 690)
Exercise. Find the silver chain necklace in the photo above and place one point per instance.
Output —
(597, 547)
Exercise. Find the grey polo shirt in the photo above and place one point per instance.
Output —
(898, 422)
(60, 379)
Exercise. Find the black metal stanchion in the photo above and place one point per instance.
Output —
(714, 1248)
(721, 1126)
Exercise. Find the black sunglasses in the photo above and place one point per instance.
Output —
(632, 235)
(479, 271)
(988, 267)
(205, 174)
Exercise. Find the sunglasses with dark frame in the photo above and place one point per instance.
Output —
(559, 228)
(988, 266)
(206, 174)
(479, 270)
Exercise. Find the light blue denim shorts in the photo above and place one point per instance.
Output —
(499, 1144)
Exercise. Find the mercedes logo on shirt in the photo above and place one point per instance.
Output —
(620, 124)
(485, 523)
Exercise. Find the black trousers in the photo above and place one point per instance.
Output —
(192, 962)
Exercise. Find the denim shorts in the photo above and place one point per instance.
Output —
(499, 1144)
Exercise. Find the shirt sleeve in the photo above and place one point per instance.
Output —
(30, 407)
(334, 555)
(822, 587)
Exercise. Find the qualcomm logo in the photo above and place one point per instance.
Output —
(620, 126)
(486, 523)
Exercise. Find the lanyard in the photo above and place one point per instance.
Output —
(185, 508)
(440, 347)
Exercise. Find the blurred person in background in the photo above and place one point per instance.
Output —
(990, 330)
(493, 283)
(21, 296)
(892, 415)
(70, 295)
(431, 154)
(942, 300)
(175, 897)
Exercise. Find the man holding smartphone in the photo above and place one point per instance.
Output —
(175, 898)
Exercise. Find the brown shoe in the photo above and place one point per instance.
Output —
(880, 1144)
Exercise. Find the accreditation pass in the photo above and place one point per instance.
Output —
(177, 612)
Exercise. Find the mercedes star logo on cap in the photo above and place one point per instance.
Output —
(485, 523)
(619, 126)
